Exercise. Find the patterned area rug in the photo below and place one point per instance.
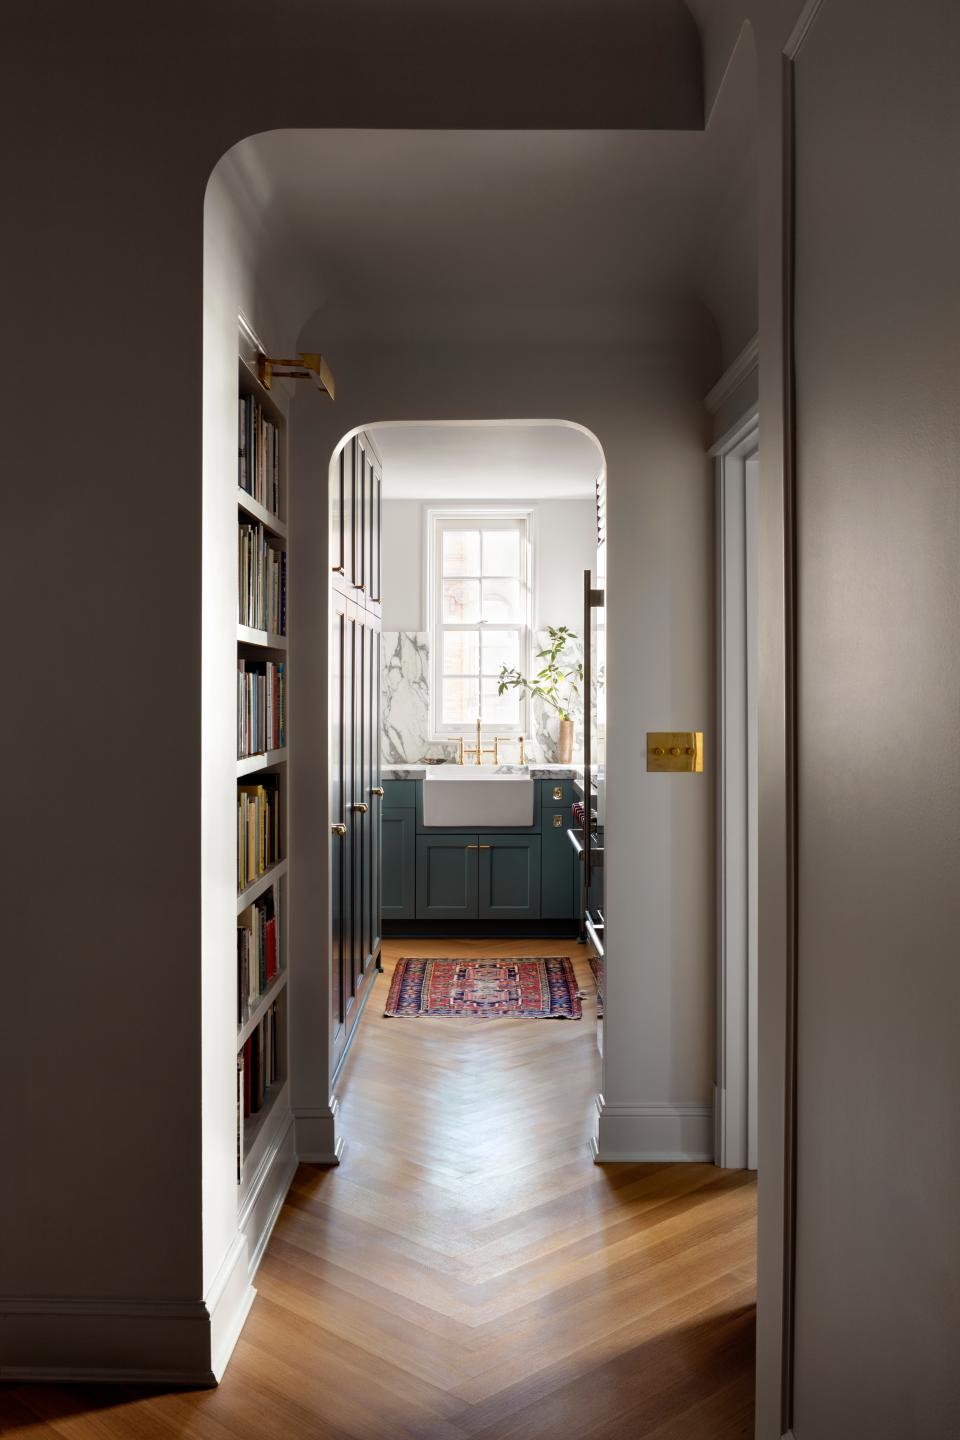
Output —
(596, 965)
(486, 989)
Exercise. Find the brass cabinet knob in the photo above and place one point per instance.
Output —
(361, 807)
(558, 822)
(558, 792)
(338, 829)
(376, 790)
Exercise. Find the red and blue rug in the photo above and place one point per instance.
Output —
(596, 965)
(486, 989)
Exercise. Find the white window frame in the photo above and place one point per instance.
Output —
(466, 517)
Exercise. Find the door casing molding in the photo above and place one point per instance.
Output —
(737, 747)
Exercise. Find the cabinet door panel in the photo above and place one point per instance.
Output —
(339, 814)
(560, 876)
(509, 877)
(375, 816)
(398, 868)
(447, 877)
(356, 795)
(376, 528)
(338, 510)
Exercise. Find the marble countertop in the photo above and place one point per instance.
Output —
(536, 772)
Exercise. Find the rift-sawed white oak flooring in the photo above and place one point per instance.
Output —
(468, 1271)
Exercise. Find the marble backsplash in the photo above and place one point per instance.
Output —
(405, 728)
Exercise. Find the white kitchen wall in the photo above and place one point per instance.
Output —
(564, 546)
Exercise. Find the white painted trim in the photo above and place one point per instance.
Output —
(317, 1140)
(737, 666)
(653, 1132)
(106, 1340)
(228, 1304)
(736, 434)
(734, 376)
(802, 29)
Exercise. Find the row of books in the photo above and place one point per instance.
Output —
(261, 580)
(261, 706)
(258, 946)
(260, 1062)
(258, 829)
(259, 473)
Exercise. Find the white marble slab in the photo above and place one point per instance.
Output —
(405, 729)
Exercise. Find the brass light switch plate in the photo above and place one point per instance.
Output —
(675, 750)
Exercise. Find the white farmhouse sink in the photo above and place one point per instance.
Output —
(473, 798)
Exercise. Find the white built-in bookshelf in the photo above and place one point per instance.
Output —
(261, 769)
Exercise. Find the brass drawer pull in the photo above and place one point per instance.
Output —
(361, 807)
(558, 822)
(338, 829)
(558, 792)
(376, 790)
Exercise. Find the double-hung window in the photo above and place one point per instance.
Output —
(480, 619)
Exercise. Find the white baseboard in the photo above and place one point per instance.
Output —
(189, 1342)
(653, 1132)
(228, 1304)
(67, 1338)
(317, 1140)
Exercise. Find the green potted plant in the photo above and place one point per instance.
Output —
(558, 685)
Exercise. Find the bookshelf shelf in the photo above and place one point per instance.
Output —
(263, 639)
(256, 511)
(262, 883)
(250, 764)
(256, 1127)
(261, 1007)
(257, 494)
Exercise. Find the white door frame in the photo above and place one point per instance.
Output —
(735, 1107)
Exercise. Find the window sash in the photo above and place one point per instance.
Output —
(477, 520)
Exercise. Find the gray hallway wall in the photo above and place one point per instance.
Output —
(878, 512)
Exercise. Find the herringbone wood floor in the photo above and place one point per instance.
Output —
(468, 1271)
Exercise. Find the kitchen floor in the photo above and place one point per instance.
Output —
(468, 1270)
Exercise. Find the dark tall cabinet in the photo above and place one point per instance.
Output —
(355, 784)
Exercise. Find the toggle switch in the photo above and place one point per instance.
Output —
(673, 751)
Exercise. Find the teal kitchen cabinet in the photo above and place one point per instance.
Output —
(435, 878)
(559, 892)
(398, 864)
(400, 794)
(447, 877)
(556, 792)
(509, 878)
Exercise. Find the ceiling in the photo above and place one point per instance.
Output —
(495, 461)
(426, 233)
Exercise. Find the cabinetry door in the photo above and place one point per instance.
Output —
(372, 757)
(355, 773)
(376, 525)
(447, 877)
(560, 877)
(362, 829)
(398, 829)
(340, 848)
(509, 877)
